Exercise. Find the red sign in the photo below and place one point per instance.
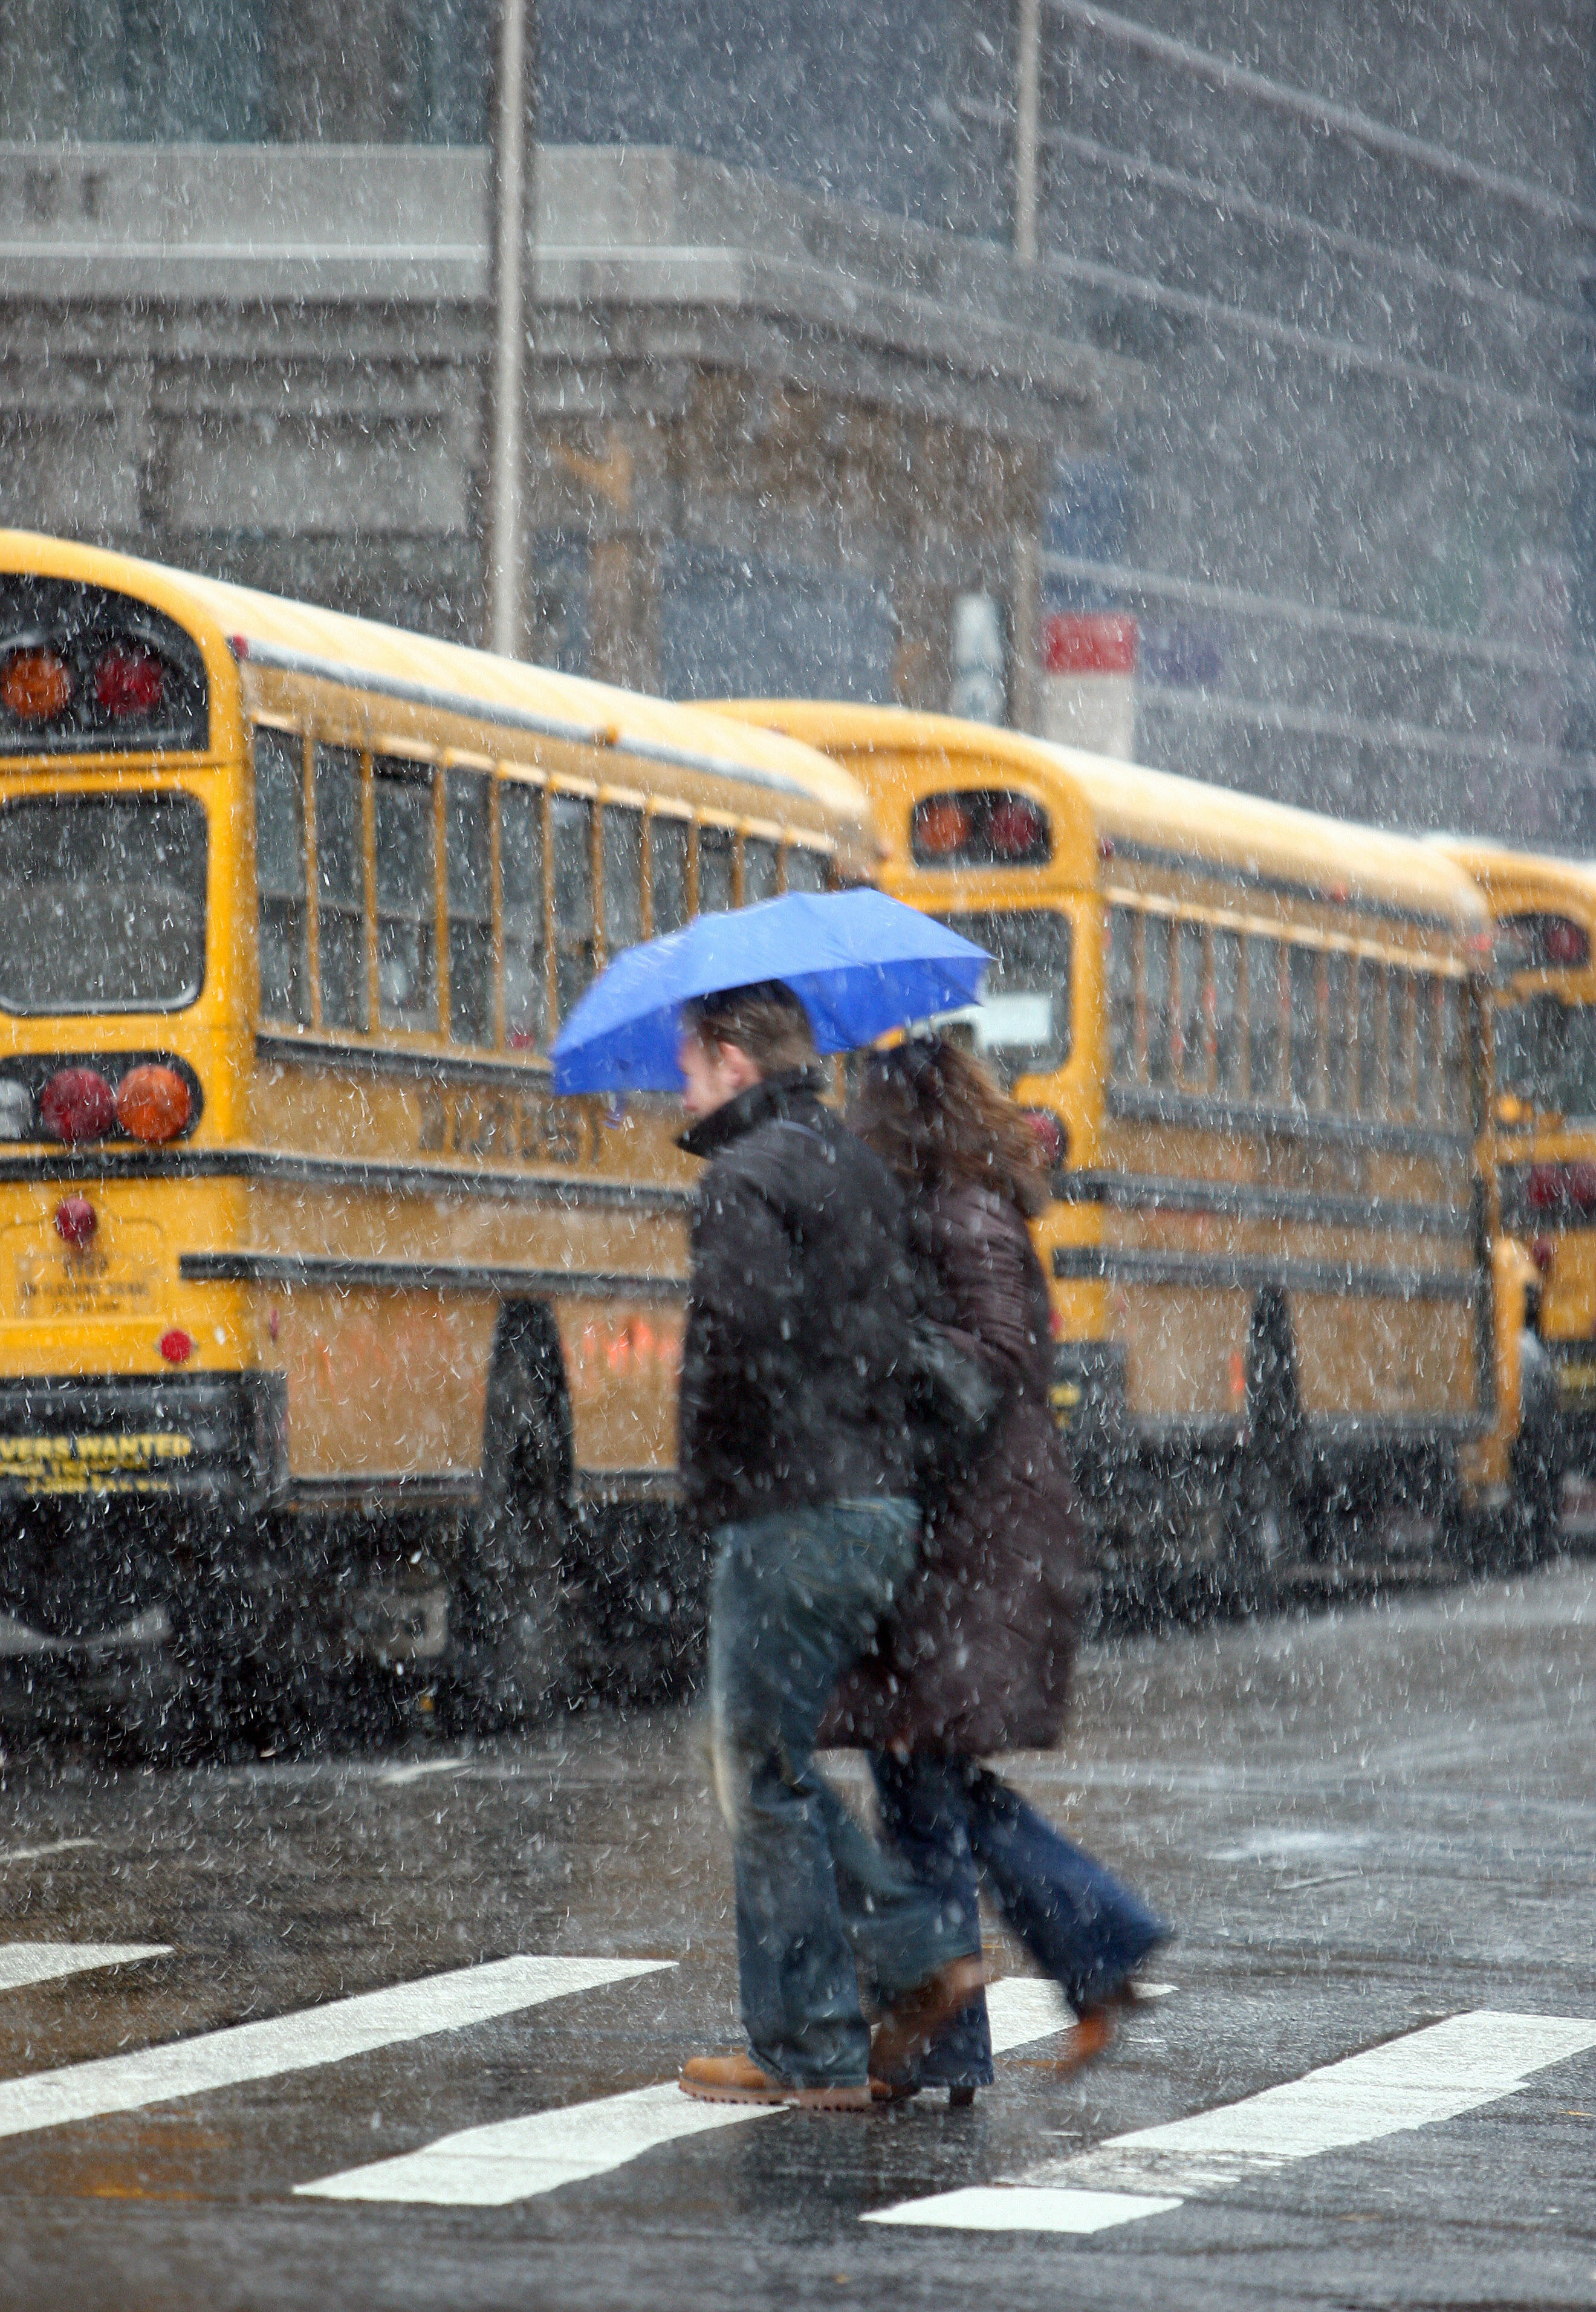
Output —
(1088, 642)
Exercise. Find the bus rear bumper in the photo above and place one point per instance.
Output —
(203, 1437)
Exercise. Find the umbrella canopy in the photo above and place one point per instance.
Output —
(860, 963)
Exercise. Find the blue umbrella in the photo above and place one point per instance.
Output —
(859, 962)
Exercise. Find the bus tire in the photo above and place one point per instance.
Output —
(1263, 1505)
(1535, 1462)
(514, 1642)
(1533, 1502)
(1263, 1530)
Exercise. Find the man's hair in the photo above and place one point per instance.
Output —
(766, 1021)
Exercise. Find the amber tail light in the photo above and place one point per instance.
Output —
(153, 1103)
(36, 685)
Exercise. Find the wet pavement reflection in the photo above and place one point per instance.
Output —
(1364, 1823)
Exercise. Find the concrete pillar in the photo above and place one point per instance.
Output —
(623, 610)
(922, 661)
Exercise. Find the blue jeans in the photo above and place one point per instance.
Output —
(953, 1821)
(796, 1598)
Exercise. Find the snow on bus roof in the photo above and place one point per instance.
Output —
(1521, 880)
(1155, 811)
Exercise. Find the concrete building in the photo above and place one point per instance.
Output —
(1290, 371)
(772, 436)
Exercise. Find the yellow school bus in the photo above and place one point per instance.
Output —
(319, 1314)
(1255, 1036)
(1544, 1136)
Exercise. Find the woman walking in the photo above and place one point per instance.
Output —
(976, 1659)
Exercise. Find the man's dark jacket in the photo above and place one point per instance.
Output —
(798, 1315)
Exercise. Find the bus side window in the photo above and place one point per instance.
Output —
(1156, 982)
(667, 874)
(1302, 964)
(715, 859)
(521, 879)
(807, 871)
(1370, 1017)
(340, 890)
(1426, 1074)
(468, 857)
(1399, 1040)
(761, 866)
(571, 833)
(1229, 1046)
(1454, 1058)
(1121, 967)
(1338, 1032)
(406, 896)
(622, 843)
(1193, 1046)
(280, 874)
(1263, 1019)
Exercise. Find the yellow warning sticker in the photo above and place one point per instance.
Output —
(130, 1463)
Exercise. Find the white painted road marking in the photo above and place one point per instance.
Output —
(518, 2158)
(398, 1777)
(302, 2041)
(24, 1963)
(1426, 2077)
(39, 1854)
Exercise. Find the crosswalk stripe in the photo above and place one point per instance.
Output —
(43, 1854)
(1427, 2076)
(304, 2039)
(22, 1963)
(519, 2158)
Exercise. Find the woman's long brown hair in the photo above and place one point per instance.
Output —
(934, 1115)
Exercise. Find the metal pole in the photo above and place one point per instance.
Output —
(1024, 569)
(513, 220)
(1024, 621)
(1027, 74)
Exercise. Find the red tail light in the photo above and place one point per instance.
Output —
(1051, 1137)
(75, 1222)
(129, 681)
(1565, 943)
(1550, 1186)
(35, 685)
(77, 1104)
(177, 1347)
(1015, 828)
(153, 1103)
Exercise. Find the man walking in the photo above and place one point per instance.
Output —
(793, 1456)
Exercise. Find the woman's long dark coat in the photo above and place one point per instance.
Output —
(978, 1655)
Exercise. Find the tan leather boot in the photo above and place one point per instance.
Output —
(738, 2078)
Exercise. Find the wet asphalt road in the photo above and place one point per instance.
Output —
(1364, 1823)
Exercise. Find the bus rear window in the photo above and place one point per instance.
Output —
(1546, 1055)
(1022, 1026)
(103, 901)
